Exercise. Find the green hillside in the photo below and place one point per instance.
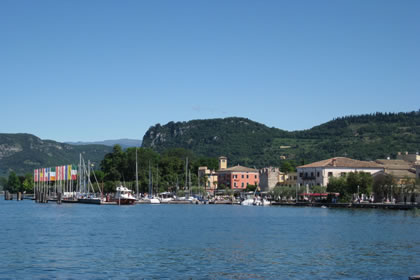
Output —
(249, 143)
(24, 152)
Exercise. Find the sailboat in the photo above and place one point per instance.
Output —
(86, 192)
(150, 198)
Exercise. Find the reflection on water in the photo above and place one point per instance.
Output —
(205, 242)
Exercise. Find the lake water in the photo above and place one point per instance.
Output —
(75, 241)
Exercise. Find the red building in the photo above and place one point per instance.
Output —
(237, 177)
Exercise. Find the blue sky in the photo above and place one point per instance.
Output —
(94, 70)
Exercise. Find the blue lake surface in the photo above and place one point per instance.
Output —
(75, 241)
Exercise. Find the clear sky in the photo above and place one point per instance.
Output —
(93, 70)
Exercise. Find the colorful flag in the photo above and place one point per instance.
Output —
(60, 173)
(74, 172)
(35, 175)
(52, 174)
(69, 172)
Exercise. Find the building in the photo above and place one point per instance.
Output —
(208, 177)
(418, 169)
(318, 173)
(290, 179)
(399, 169)
(270, 177)
(236, 177)
(408, 157)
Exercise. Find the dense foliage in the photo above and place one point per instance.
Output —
(15, 183)
(353, 183)
(365, 137)
(167, 170)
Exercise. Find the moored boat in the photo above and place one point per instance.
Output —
(123, 196)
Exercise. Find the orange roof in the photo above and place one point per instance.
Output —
(342, 162)
(238, 168)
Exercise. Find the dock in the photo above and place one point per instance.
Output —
(392, 206)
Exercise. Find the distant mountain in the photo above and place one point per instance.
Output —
(245, 142)
(24, 152)
(124, 143)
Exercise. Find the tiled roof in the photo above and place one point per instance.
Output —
(238, 168)
(396, 164)
(343, 162)
(401, 173)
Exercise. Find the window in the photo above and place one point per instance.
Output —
(312, 174)
(247, 176)
(329, 174)
(317, 174)
(242, 176)
(234, 184)
(301, 174)
(242, 184)
(255, 176)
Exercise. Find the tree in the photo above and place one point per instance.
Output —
(338, 185)
(287, 167)
(359, 182)
(28, 184)
(381, 185)
(13, 183)
(251, 188)
(3, 183)
(318, 189)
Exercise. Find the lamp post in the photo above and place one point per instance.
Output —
(391, 194)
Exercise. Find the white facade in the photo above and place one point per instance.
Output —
(314, 176)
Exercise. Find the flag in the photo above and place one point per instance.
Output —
(59, 173)
(69, 172)
(74, 172)
(35, 175)
(52, 174)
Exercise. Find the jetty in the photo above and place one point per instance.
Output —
(396, 206)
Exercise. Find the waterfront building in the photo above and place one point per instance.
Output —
(318, 173)
(270, 177)
(399, 169)
(208, 178)
(418, 169)
(290, 179)
(236, 177)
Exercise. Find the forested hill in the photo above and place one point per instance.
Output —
(364, 137)
(22, 153)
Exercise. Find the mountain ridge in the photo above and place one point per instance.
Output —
(23, 152)
(249, 143)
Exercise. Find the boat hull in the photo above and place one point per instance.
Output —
(124, 201)
(89, 201)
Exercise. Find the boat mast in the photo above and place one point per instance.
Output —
(150, 182)
(137, 177)
(186, 174)
(80, 174)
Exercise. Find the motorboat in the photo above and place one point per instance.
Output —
(123, 196)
